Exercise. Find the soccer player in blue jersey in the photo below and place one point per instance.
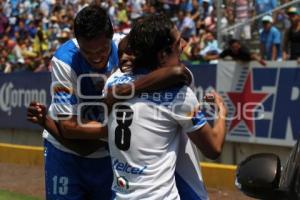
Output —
(76, 168)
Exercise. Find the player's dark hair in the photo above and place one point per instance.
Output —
(91, 22)
(147, 37)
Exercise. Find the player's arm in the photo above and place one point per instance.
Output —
(161, 78)
(89, 130)
(209, 139)
(64, 107)
(37, 113)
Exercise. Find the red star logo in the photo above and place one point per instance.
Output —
(245, 103)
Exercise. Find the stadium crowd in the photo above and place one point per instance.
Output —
(31, 30)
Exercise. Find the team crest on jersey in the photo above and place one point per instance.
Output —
(122, 182)
(60, 88)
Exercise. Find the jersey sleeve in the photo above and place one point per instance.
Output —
(186, 111)
(117, 37)
(63, 89)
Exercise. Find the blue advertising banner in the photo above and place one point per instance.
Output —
(17, 90)
(204, 75)
(204, 78)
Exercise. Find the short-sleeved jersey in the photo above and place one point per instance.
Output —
(146, 134)
(74, 85)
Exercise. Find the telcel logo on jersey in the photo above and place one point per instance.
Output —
(125, 167)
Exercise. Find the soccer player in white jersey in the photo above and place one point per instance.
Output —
(75, 168)
(144, 132)
(188, 175)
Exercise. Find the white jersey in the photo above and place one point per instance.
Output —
(145, 136)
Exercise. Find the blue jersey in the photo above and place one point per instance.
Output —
(75, 86)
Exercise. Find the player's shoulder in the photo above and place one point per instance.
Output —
(117, 37)
(118, 77)
(169, 97)
(185, 95)
(67, 52)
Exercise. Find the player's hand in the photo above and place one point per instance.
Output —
(36, 113)
(214, 97)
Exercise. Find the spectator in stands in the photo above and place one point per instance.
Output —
(270, 40)
(205, 9)
(171, 6)
(211, 50)
(186, 6)
(27, 53)
(122, 18)
(15, 60)
(20, 18)
(281, 18)
(195, 12)
(21, 31)
(210, 22)
(291, 42)
(186, 25)
(64, 35)
(40, 43)
(191, 52)
(3, 22)
(136, 8)
(32, 29)
(239, 52)
(242, 10)
(194, 56)
(264, 6)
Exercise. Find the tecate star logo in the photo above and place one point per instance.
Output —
(122, 182)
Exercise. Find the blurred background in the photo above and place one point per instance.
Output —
(31, 30)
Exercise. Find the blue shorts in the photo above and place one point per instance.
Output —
(71, 177)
